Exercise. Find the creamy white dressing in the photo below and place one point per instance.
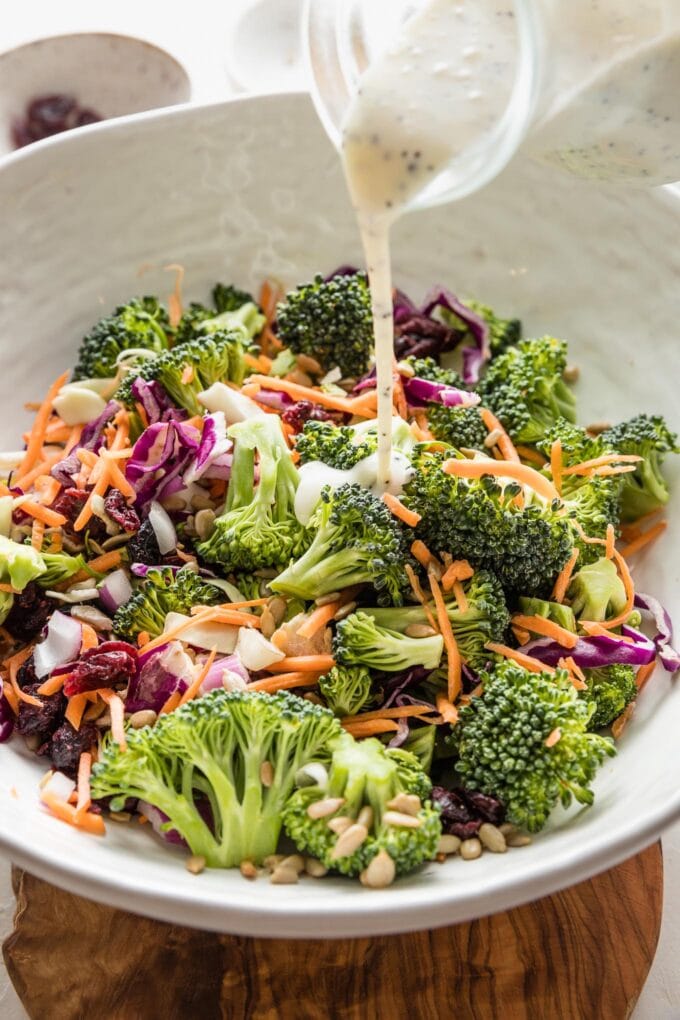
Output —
(315, 476)
(607, 108)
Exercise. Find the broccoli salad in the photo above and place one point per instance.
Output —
(214, 621)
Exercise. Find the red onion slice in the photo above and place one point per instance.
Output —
(164, 529)
(115, 590)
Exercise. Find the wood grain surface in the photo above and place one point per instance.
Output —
(582, 954)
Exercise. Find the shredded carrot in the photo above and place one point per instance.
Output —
(37, 436)
(48, 487)
(187, 375)
(644, 539)
(502, 468)
(196, 610)
(610, 458)
(89, 639)
(446, 709)
(523, 637)
(619, 725)
(52, 685)
(609, 542)
(556, 464)
(422, 554)
(302, 664)
(643, 674)
(284, 681)
(458, 570)
(398, 712)
(11, 699)
(75, 709)
(564, 577)
(194, 688)
(37, 535)
(43, 513)
(505, 443)
(371, 728)
(88, 821)
(409, 517)
(539, 625)
(175, 299)
(398, 396)
(107, 561)
(594, 629)
(634, 529)
(12, 665)
(9, 589)
(420, 595)
(143, 416)
(318, 619)
(84, 770)
(577, 675)
(117, 478)
(533, 456)
(454, 666)
(170, 703)
(553, 737)
(117, 710)
(356, 405)
(143, 638)
(527, 661)
(460, 597)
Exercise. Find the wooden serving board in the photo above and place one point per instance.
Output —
(578, 955)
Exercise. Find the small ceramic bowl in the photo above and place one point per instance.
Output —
(111, 74)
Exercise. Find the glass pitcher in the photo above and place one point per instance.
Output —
(588, 86)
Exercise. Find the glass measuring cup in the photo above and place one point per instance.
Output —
(584, 86)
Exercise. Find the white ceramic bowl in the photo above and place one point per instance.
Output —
(112, 74)
(254, 188)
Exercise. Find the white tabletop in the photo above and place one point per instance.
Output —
(198, 40)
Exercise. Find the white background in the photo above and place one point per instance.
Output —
(198, 38)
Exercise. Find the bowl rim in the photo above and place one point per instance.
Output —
(402, 911)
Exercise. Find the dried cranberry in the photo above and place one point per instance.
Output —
(48, 115)
(26, 673)
(421, 337)
(143, 547)
(484, 806)
(70, 502)
(40, 722)
(86, 117)
(30, 612)
(303, 411)
(463, 811)
(452, 807)
(118, 510)
(464, 830)
(67, 745)
(112, 664)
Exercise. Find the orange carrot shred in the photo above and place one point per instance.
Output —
(605, 460)
(502, 468)
(83, 787)
(460, 597)
(75, 709)
(395, 505)
(616, 621)
(171, 703)
(302, 664)
(175, 299)
(52, 684)
(284, 681)
(356, 405)
(422, 553)
(553, 737)
(564, 577)
(609, 543)
(89, 637)
(454, 666)
(556, 465)
(533, 456)
(88, 821)
(505, 444)
(37, 535)
(539, 625)
(371, 728)
(527, 661)
(643, 674)
(318, 618)
(39, 426)
(420, 595)
(398, 712)
(43, 513)
(117, 710)
(619, 725)
(194, 688)
(446, 709)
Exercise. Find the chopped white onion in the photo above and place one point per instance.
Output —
(59, 786)
(93, 616)
(78, 405)
(62, 644)
(255, 651)
(115, 590)
(163, 528)
(74, 596)
(204, 635)
(234, 405)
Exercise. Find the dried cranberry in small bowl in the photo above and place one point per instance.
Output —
(50, 115)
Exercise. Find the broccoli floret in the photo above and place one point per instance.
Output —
(524, 546)
(610, 690)
(369, 780)
(420, 743)
(202, 362)
(356, 541)
(142, 323)
(485, 619)
(59, 567)
(346, 689)
(560, 614)
(258, 527)
(501, 742)
(430, 369)
(232, 309)
(503, 333)
(331, 321)
(525, 389)
(19, 565)
(645, 489)
(361, 641)
(162, 592)
(227, 298)
(595, 502)
(205, 760)
(597, 592)
(339, 446)
(461, 427)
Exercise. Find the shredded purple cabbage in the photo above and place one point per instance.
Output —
(213, 457)
(159, 457)
(90, 439)
(420, 392)
(600, 650)
(276, 399)
(156, 402)
(475, 356)
(160, 673)
(670, 659)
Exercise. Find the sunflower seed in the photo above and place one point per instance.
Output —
(401, 820)
(380, 872)
(492, 838)
(470, 849)
(408, 803)
(448, 844)
(518, 839)
(266, 773)
(248, 870)
(350, 840)
(315, 868)
(195, 864)
(325, 807)
(340, 824)
(284, 876)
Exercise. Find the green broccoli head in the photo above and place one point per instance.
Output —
(645, 489)
(458, 426)
(258, 527)
(595, 502)
(346, 689)
(486, 617)
(162, 592)
(59, 567)
(370, 786)
(218, 357)
(361, 641)
(524, 546)
(503, 745)
(205, 760)
(503, 333)
(141, 323)
(331, 321)
(232, 309)
(597, 592)
(19, 565)
(421, 743)
(610, 690)
(430, 369)
(356, 541)
(339, 446)
(524, 387)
